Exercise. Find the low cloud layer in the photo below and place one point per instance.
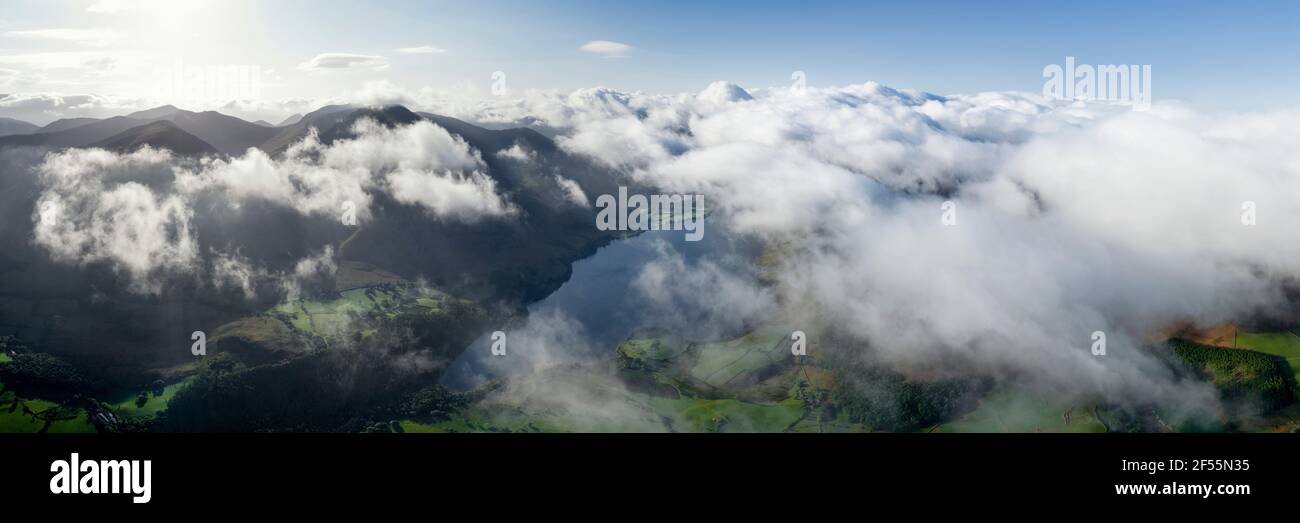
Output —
(136, 211)
(1067, 217)
(419, 164)
(1070, 217)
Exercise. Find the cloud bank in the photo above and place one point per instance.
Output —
(137, 211)
(1070, 217)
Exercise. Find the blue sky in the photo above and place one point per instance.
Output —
(1213, 55)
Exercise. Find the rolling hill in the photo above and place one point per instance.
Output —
(10, 126)
(227, 134)
(161, 134)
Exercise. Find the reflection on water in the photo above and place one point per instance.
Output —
(596, 309)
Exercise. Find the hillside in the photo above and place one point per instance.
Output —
(160, 135)
(10, 126)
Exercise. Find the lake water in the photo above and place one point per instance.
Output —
(600, 306)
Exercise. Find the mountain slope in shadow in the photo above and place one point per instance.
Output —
(161, 134)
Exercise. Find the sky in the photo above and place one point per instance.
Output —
(1212, 55)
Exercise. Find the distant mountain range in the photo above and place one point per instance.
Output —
(503, 264)
(207, 132)
(221, 133)
(10, 126)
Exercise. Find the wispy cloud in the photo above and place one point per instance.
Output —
(93, 37)
(424, 49)
(606, 48)
(337, 61)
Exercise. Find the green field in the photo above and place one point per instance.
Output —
(125, 405)
(486, 420)
(1020, 411)
(727, 415)
(81, 424)
(1284, 344)
(640, 413)
(416, 427)
(328, 318)
(653, 350)
(612, 408)
(717, 364)
(13, 420)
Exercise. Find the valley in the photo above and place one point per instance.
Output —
(392, 338)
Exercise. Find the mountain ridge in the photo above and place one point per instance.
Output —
(10, 126)
(160, 134)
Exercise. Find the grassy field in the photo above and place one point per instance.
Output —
(266, 332)
(717, 364)
(642, 414)
(334, 317)
(649, 349)
(13, 420)
(480, 420)
(820, 420)
(416, 427)
(1018, 411)
(125, 405)
(1284, 344)
(727, 415)
(625, 412)
(81, 424)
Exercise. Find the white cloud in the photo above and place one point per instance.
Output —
(418, 164)
(109, 6)
(465, 196)
(1073, 217)
(573, 191)
(233, 270)
(135, 211)
(315, 267)
(98, 37)
(424, 49)
(606, 48)
(517, 153)
(14, 79)
(97, 208)
(344, 61)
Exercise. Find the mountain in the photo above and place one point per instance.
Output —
(161, 134)
(264, 123)
(64, 124)
(295, 118)
(322, 119)
(10, 126)
(549, 233)
(156, 113)
(229, 135)
(88, 314)
(76, 136)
